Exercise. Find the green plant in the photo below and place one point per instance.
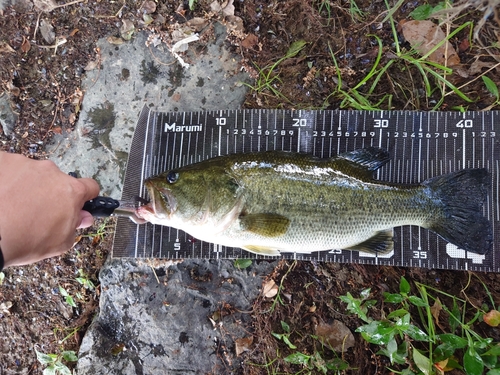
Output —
(407, 334)
(54, 362)
(268, 80)
(67, 297)
(84, 280)
(434, 75)
(493, 89)
(242, 263)
(310, 362)
(192, 4)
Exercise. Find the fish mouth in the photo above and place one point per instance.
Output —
(162, 203)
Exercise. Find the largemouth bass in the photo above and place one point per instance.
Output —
(275, 201)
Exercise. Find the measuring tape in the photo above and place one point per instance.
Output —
(421, 145)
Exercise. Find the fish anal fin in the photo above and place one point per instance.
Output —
(380, 243)
(261, 250)
(265, 224)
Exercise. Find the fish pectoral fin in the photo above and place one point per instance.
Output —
(265, 224)
(262, 250)
(381, 243)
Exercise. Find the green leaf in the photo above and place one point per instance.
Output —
(422, 12)
(62, 368)
(417, 334)
(70, 301)
(51, 370)
(295, 48)
(2, 277)
(297, 358)
(495, 350)
(242, 263)
(392, 348)
(70, 356)
(423, 363)
(45, 359)
(442, 352)
(491, 86)
(377, 332)
(365, 293)
(473, 364)
(287, 341)
(494, 371)
(454, 340)
(63, 291)
(393, 297)
(337, 364)
(285, 326)
(398, 313)
(417, 301)
(404, 286)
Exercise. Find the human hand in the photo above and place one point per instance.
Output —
(40, 208)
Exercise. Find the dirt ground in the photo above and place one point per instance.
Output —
(44, 83)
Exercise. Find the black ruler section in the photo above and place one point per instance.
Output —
(421, 145)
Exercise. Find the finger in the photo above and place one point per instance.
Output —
(91, 188)
(86, 220)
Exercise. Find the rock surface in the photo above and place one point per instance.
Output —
(167, 318)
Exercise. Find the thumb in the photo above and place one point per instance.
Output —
(86, 219)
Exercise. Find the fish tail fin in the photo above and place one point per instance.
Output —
(462, 223)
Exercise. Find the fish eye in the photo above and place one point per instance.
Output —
(172, 177)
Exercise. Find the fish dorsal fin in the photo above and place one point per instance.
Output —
(261, 250)
(381, 243)
(362, 162)
(265, 224)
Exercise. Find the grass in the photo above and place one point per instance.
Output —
(407, 331)
(433, 75)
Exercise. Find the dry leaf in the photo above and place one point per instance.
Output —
(47, 31)
(227, 8)
(336, 335)
(492, 318)
(115, 40)
(424, 36)
(436, 310)
(127, 29)
(149, 7)
(5, 48)
(250, 41)
(197, 23)
(26, 45)
(45, 5)
(270, 289)
(243, 344)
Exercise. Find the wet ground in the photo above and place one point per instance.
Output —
(46, 49)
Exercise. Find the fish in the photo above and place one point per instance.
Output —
(272, 202)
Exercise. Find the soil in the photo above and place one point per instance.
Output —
(44, 83)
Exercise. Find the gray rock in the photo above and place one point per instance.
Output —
(8, 117)
(132, 75)
(170, 317)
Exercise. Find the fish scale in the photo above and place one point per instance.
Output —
(421, 145)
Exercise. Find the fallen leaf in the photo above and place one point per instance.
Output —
(250, 41)
(149, 7)
(243, 344)
(127, 29)
(26, 45)
(492, 318)
(270, 289)
(47, 31)
(197, 23)
(424, 36)
(45, 5)
(336, 335)
(6, 48)
(228, 8)
(436, 310)
(115, 40)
